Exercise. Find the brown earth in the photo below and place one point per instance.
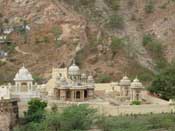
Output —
(83, 37)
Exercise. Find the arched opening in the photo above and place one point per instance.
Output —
(85, 94)
(78, 94)
(68, 94)
(137, 95)
(24, 87)
(57, 93)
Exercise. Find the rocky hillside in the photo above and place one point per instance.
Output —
(108, 38)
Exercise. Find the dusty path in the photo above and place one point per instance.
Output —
(20, 51)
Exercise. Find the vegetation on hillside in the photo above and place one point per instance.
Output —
(116, 45)
(103, 78)
(164, 83)
(149, 7)
(154, 47)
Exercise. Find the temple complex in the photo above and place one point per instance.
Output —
(73, 86)
(67, 84)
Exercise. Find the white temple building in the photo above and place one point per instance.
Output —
(71, 85)
(24, 89)
(136, 90)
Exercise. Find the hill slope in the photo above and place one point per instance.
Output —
(106, 37)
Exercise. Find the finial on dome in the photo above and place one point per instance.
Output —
(73, 61)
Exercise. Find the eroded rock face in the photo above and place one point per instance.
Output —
(8, 114)
(78, 32)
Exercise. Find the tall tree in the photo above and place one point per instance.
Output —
(164, 83)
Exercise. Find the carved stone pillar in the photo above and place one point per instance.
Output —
(72, 95)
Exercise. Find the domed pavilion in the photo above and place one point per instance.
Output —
(136, 90)
(24, 87)
(75, 86)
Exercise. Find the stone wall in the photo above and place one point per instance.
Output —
(133, 109)
(108, 109)
(4, 92)
(8, 114)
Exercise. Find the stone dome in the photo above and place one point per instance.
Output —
(136, 84)
(125, 81)
(90, 79)
(74, 70)
(23, 75)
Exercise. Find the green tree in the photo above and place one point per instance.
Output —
(52, 122)
(32, 126)
(114, 4)
(103, 78)
(164, 83)
(116, 44)
(72, 118)
(149, 7)
(77, 117)
(35, 112)
(38, 79)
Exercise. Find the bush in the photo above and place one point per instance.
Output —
(137, 122)
(116, 22)
(42, 39)
(103, 78)
(147, 39)
(78, 3)
(154, 47)
(136, 103)
(57, 31)
(86, 2)
(164, 83)
(114, 4)
(35, 112)
(145, 75)
(9, 47)
(153, 44)
(73, 118)
(116, 44)
(2, 63)
(149, 7)
(77, 118)
(38, 79)
(54, 108)
(82, 118)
